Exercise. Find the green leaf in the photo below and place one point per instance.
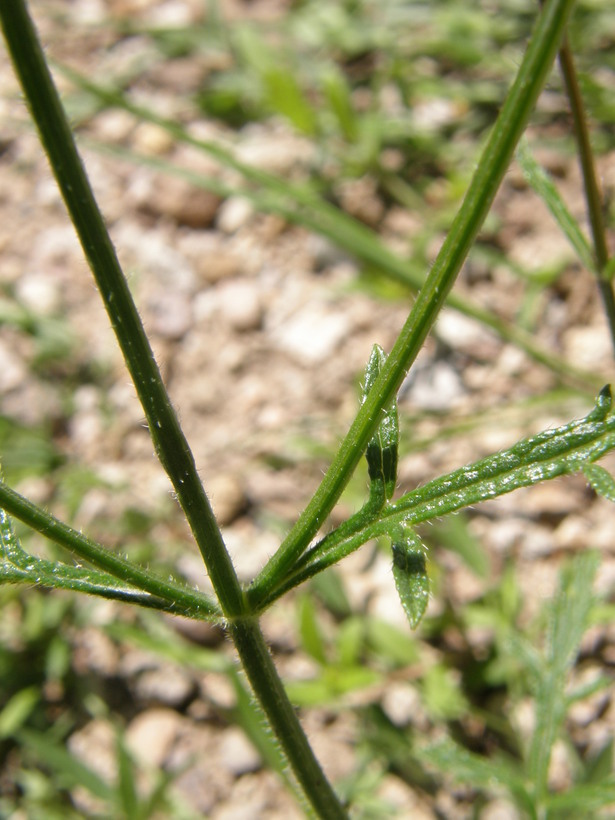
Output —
(69, 770)
(18, 566)
(442, 695)
(126, 784)
(600, 480)
(541, 183)
(381, 453)
(311, 636)
(569, 615)
(18, 710)
(479, 772)
(337, 94)
(410, 573)
(583, 799)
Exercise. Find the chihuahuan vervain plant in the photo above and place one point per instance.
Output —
(374, 432)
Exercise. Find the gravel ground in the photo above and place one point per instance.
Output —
(262, 332)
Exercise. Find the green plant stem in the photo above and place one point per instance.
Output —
(493, 164)
(169, 440)
(187, 601)
(257, 663)
(170, 443)
(590, 182)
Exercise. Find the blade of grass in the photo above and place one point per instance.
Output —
(541, 183)
(491, 169)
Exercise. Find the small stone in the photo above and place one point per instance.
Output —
(434, 114)
(166, 684)
(280, 153)
(499, 809)
(114, 125)
(150, 736)
(466, 335)
(94, 746)
(359, 198)
(176, 198)
(94, 651)
(218, 266)
(12, 369)
(588, 348)
(402, 704)
(312, 334)
(233, 214)
(151, 139)
(240, 304)
(324, 253)
(237, 754)
(39, 292)
(437, 387)
(227, 497)
(170, 315)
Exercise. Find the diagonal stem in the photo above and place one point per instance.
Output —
(484, 185)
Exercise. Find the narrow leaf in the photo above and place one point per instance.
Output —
(18, 710)
(542, 184)
(600, 480)
(69, 770)
(410, 573)
(568, 619)
(17, 566)
(381, 453)
(583, 798)
(126, 779)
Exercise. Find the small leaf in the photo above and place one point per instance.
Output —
(410, 573)
(600, 480)
(311, 636)
(604, 401)
(381, 453)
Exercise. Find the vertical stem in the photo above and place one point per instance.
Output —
(171, 445)
(590, 181)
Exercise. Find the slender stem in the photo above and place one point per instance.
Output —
(259, 667)
(46, 524)
(590, 182)
(479, 197)
(170, 443)
(169, 440)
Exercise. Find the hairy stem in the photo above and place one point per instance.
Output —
(169, 440)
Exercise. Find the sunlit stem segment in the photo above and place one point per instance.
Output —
(494, 161)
